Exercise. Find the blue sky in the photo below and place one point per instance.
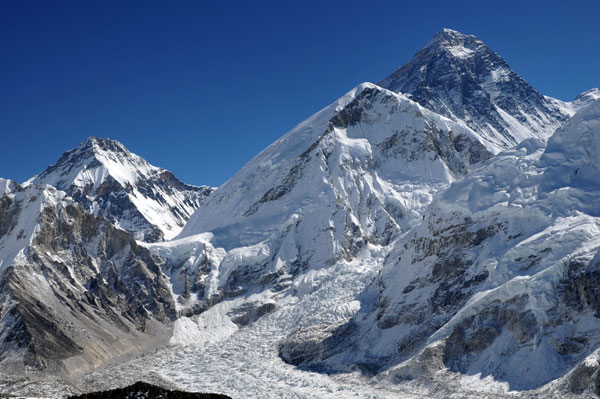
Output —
(200, 87)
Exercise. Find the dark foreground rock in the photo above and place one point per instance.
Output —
(147, 391)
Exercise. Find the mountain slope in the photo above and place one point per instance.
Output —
(500, 279)
(292, 238)
(75, 292)
(76, 289)
(109, 180)
(338, 189)
(349, 179)
(459, 77)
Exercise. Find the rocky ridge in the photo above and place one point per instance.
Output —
(75, 291)
(107, 179)
(458, 76)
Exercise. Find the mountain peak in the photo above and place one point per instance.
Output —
(448, 36)
(105, 176)
(92, 161)
(97, 145)
(460, 77)
(454, 43)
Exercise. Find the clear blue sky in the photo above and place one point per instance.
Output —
(200, 87)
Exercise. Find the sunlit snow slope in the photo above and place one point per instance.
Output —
(110, 181)
(500, 279)
(354, 175)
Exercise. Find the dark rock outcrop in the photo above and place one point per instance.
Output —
(147, 391)
(459, 77)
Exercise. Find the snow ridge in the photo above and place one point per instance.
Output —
(138, 197)
(458, 76)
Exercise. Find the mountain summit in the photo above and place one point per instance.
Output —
(106, 178)
(458, 76)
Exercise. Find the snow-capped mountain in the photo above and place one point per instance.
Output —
(422, 235)
(75, 291)
(458, 76)
(500, 279)
(76, 288)
(108, 180)
(350, 178)
(585, 99)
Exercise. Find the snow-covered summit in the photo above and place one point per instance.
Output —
(340, 186)
(371, 128)
(454, 42)
(587, 97)
(92, 162)
(458, 76)
(109, 179)
(95, 161)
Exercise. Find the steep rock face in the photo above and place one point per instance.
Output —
(75, 292)
(76, 289)
(459, 77)
(499, 279)
(107, 179)
(349, 179)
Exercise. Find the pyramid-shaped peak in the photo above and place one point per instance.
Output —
(92, 161)
(108, 179)
(96, 144)
(460, 77)
(455, 43)
(449, 35)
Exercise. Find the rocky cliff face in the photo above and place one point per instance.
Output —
(459, 77)
(75, 291)
(76, 288)
(107, 179)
